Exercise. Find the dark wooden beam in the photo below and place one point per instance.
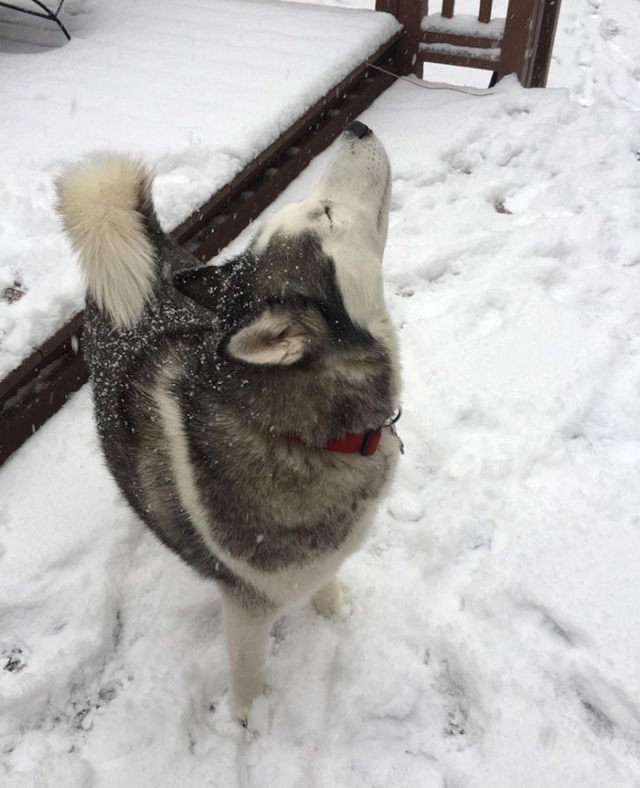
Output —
(40, 386)
(542, 59)
(521, 34)
(410, 14)
(448, 8)
(486, 7)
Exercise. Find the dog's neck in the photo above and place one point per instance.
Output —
(365, 443)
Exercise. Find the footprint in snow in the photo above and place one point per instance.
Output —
(13, 660)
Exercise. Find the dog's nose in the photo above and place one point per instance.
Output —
(358, 129)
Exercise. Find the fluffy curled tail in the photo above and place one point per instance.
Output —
(106, 209)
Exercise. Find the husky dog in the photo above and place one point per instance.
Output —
(245, 410)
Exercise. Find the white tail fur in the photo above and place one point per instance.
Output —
(103, 203)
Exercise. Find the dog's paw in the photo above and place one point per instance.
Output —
(255, 716)
(252, 715)
(243, 716)
(330, 600)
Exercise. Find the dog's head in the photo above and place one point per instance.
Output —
(313, 275)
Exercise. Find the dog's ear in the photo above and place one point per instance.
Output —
(202, 284)
(278, 336)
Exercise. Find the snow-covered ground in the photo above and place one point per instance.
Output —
(492, 639)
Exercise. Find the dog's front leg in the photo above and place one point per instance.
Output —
(247, 632)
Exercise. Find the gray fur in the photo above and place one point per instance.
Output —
(272, 503)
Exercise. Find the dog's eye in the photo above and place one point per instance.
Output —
(327, 213)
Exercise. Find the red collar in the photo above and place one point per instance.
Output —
(365, 444)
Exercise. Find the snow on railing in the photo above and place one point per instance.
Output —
(454, 54)
(463, 25)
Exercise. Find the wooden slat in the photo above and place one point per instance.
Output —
(521, 35)
(486, 7)
(542, 59)
(48, 352)
(410, 14)
(387, 6)
(19, 423)
(448, 8)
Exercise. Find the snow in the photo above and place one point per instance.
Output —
(454, 50)
(492, 636)
(463, 25)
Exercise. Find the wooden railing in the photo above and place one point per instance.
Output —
(519, 44)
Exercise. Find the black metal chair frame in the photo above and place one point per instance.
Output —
(45, 13)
